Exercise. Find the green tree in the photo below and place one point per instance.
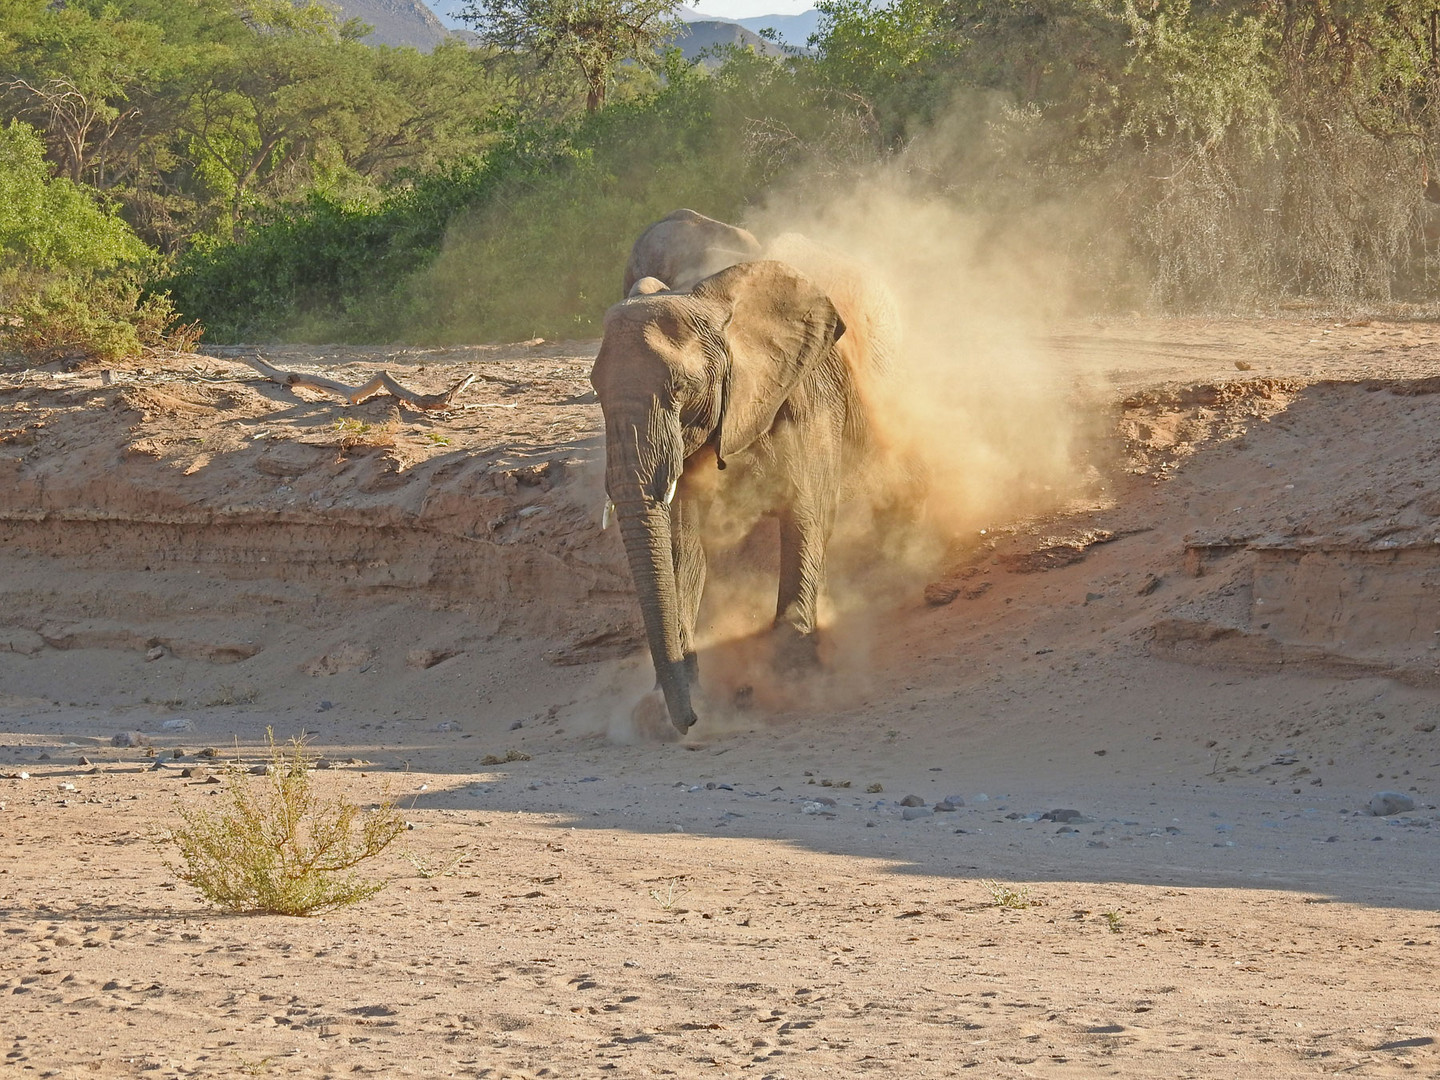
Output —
(593, 36)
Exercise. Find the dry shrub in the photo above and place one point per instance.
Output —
(277, 848)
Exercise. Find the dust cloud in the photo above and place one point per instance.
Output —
(972, 424)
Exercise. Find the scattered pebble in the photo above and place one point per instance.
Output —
(1385, 803)
(324, 763)
(178, 724)
(129, 738)
(874, 789)
(83, 761)
(259, 770)
(209, 752)
(155, 654)
(912, 813)
(912, 800)
(1061, 815)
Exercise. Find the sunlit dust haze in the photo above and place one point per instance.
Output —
(972, 425)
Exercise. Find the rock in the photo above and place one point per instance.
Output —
(178, 724)
(129, 738)
(158, 765)
(1385, 803)
(913, 813)
(324, 763)
(212, 779)
(940, 593)
(1061, 815)
(874, 789)
(209, 752)
(1097, 844)
(823, 801)
(155, 654)
(1066, 830)
(677, 828)
(912, 800)
(813, 808)
(944, 806)
(517, 725)
(83, 761)
(259, 770)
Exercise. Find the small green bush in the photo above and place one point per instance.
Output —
(71, 272)
(277, 848)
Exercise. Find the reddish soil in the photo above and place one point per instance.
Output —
(1215, 643)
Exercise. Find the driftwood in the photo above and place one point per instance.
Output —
(356, 394)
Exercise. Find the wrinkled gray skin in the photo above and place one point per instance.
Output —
(661, 379)
(683, 248)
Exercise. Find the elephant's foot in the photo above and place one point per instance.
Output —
(794, 651)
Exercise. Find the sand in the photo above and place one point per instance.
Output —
(1208, 656)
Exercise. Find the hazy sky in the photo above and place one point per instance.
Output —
(743, 9)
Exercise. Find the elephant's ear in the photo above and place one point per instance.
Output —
(777, 325)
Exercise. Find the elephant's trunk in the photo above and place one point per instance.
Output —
(645, 528)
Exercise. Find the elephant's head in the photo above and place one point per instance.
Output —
(679, 372)
(684, 247)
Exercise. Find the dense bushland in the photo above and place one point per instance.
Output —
(287, 180)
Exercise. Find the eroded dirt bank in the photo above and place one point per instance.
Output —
(1213, 651)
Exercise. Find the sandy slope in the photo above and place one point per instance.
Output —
(1215, 655)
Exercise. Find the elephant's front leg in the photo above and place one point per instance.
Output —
(689, 555)
(807, 519)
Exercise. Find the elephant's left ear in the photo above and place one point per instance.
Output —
(779, 321)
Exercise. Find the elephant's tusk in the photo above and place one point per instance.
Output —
(670, 491)
(606, 514)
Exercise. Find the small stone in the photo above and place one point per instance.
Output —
(1426, 727)
(129, 738)
(823, 801)
(189, 773)
(212, 779)
(812, 808)
(1097, 844)
(83, 761)
(677, 828)
(209, 752)
(158, 765)
(874, 789)
(944, 806)
(155, 654)
(912, 813)
(324, 763)
(67, 787)
(912, 800)
(631, 964)
(1061, 815)
(517, 725)
(259, 770)
(1385, 803)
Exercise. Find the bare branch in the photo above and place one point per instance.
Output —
(356, 394)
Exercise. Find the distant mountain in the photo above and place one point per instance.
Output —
(397, 22)
(411, 22)
(794, 30)
(703, 34)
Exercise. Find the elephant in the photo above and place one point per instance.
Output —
(743, 367)
(684, 247)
